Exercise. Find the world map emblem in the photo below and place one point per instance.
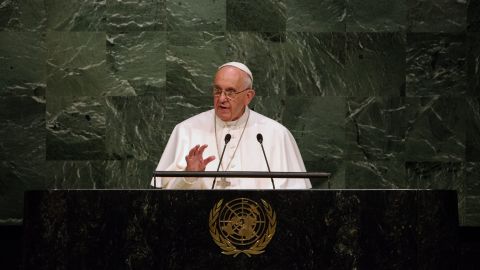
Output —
(242, 225)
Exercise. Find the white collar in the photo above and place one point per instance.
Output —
(233, 124)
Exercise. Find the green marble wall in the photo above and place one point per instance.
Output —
(383, 94)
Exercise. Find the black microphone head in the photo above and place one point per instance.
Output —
(227, 138)
(259, 138)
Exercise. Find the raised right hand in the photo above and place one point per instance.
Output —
(195, 160)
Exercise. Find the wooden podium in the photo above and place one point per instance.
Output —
(292, 229)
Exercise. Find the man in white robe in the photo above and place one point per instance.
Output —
(196, 144)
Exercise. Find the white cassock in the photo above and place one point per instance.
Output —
(243, 152)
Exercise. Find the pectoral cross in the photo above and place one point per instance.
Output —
(223, 182)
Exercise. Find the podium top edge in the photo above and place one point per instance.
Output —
(243, 174)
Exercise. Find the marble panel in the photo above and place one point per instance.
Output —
(133, 15)
(473, 64)
(16, 177)
(75, 49)
(473, 20)
(436, 64)
(316, 15)
(261, 15)
(375, 64)
(472, 182)
(68, 174)
(442, 176)
(273, 107)
(196, 15)
(76, 66)
(317, 124)
(9, 15)
(179, 108)
(376, 128)
(139, 58)
(472, 219)
(263, 53)
(129, 174)
(75, 15)
(75, 128)
(436, 175)
(23, 15)
(436, 15)
(23, 57)
(330, 165)
(376, 16)
(22, 128)
(389, 174)
(472, 144)
(462, 206)
(315, 64)
(436, 129)
(135, 127)
(472, 216)
(192, 60)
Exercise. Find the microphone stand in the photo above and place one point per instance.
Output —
(260, 140)
(154, 180)
(227, 139)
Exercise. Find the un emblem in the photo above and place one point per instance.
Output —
(242, 226)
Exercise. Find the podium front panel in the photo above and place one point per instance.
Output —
(172, 229)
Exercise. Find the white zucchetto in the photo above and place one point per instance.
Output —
(240, 66)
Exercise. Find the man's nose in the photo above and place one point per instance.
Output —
(222, 97)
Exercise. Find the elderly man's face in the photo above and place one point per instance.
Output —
(231, 79)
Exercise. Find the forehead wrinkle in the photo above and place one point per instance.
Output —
(230, 76)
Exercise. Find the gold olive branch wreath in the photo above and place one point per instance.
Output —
(227, 246)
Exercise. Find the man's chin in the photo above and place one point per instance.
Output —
(224, 114)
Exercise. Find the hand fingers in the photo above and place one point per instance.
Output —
(194, 159)
(208, 160)
(201, 149)
(193, 151)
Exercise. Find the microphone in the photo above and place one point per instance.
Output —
(227, 139)
(260, 140)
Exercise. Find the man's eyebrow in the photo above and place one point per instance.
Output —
(228, 88)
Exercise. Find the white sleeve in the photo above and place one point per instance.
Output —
(173, 159)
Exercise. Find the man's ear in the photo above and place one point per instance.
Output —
(250, 95)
